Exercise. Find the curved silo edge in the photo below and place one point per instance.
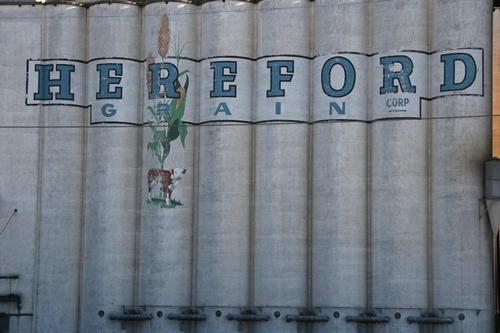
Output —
(492, 192)
(493, 209)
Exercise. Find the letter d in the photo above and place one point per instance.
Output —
(450, 61)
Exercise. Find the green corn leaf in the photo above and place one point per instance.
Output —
(151, 126)
(177, 108)
(184, 72)
(173, 107)
(154, 147)
(178, 113)
(151, 109)
(166, 151)
(183, 133)
(173, 131)
(158, 135)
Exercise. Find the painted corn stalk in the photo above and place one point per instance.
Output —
(168, 128)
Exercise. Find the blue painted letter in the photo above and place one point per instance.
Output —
(277, 77)
(220, 78)
(335, 106)
(449, 61)
(108, 110)
(63, 83)
(349, 77)
(222, 108)
(403, 75)
(168, 82)
(277, 108)
(105, 80)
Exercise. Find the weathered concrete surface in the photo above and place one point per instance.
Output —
(166, 243)
(222, 265)
(399, 181)
(340, 180)
(111, 182)
(460, 241)
(342, 216)
(280, 229)
(20, 177)
(61, 185)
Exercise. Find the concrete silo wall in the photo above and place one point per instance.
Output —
(451, 191)
(169, 263)
(399, 180)
(341, 155)
(109, 250)
(280, 229)
(294, 177)
(61, 169)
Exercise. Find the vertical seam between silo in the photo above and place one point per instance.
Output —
(86, 118)
(194, 224)
(195, 194)
(253, 164)
(139, 152)
(369, 169)
(310, 173)
(38, 216)
(194, 219)
(429, 160)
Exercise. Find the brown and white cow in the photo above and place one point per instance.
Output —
(167, 179)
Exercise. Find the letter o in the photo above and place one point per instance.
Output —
(349, 77)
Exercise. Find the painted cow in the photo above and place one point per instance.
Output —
(166, 179)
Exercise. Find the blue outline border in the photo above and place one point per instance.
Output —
(256, 122)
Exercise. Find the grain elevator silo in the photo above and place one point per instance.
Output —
(247, 166)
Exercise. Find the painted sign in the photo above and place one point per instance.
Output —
(344, 86)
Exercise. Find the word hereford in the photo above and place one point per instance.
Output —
(347, 86)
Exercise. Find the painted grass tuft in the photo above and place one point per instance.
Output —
(161, 203)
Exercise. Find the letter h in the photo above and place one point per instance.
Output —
(63, 83)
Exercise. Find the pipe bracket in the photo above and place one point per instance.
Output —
(368, 318)
(248, 315)
(307, 316)
(187, 315)
(131, 315)
(430, 318)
